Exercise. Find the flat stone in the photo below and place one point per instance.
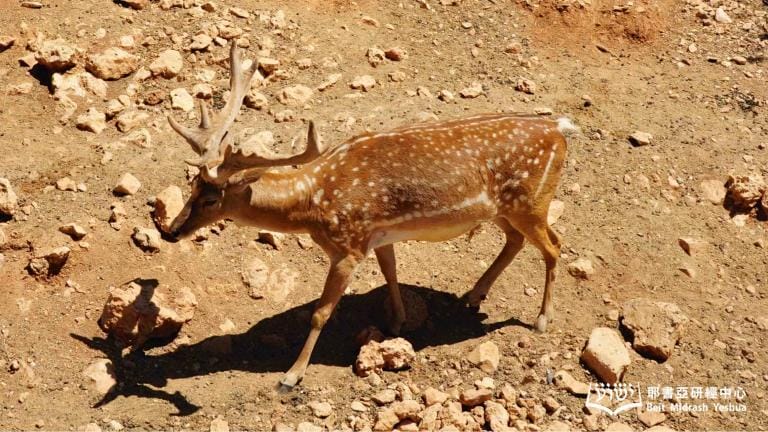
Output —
(363, 82)
(656, 327)
(92, 121)
(127, 185)
(295, 95)
(168, 205)
(606, 355)
(639, 139)
(168, 64)
(182, 100)
(101, 375)
(581, 268)
(485, 357)
(474, 397)
(147, 239)
(112, 63)
(321, 409)
(56, 55)
(73, 230)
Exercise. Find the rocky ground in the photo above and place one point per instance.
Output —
(662, 209)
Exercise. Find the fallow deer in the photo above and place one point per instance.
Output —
(432, 181)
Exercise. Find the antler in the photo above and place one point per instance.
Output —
(237, 160)
(209, 139)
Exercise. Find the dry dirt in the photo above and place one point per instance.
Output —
(707, 118)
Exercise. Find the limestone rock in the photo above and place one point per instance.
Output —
(565, 380)
(129, 119)
(639, 139)
(49, 263)
(73, 230)
(656, 327)
(258, 143)
(56, 55)
(525, 85)
(219, 425)
(295, 95)
(127, 185)
(485, 357)
(182, 100)
(384, 397)
(272, 238)
(606, 355)
(651, 418)
(581, 268)
(168, 205)
(147, 239)
(92, 121)
(8, 198)
(712, 191)
(101, 374)
(255, 275)
(392, 354)
(744, 191)
(363, 82)
(434, 396)
(6, 42)
(200, 42)
(474, 90)
(721, 16)
(136, 313)
(168, 64)
(321, 409)
(112, 63)
(474, 397)
(692, 246)
(496, 416)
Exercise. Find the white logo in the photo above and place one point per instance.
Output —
(627, 396)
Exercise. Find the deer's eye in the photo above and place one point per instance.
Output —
(209, 202)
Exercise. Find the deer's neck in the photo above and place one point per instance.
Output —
(278, 201)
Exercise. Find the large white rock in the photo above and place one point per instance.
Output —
(391, 354)
(134, 314)
(168, 205)
(127, 185)
(606, 355)
(485, 357)
(56, 55)
(182, 100)
(112, 63)
(168, 64)
(8, 198)
(101, 375)
(656, 327)
(295, 95)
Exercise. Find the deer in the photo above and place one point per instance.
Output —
(426, 182)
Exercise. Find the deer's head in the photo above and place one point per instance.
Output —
(224, 173)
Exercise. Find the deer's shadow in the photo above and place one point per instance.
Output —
(272, 344)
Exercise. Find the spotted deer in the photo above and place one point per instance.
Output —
(431, 181)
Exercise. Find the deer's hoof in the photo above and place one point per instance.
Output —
(288, 382)
(541, 323)
(474, 298)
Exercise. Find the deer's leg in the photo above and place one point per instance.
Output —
(386, 257)
(548, 242)
(511, 248)
(335, 284)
